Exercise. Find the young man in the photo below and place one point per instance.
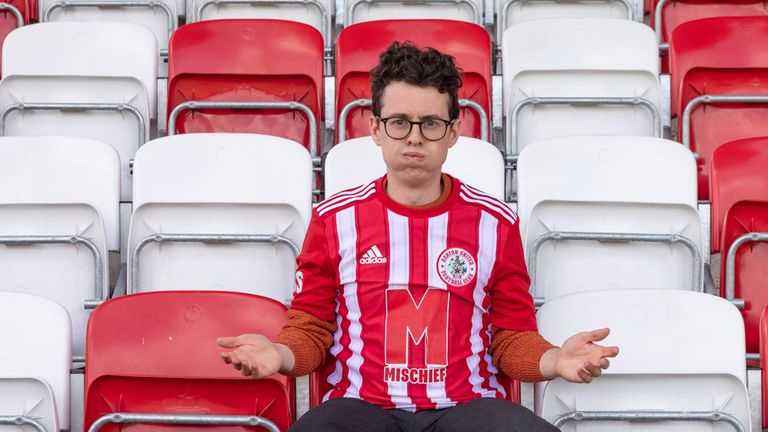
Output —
(416, 284)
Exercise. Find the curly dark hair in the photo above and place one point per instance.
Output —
(422, 67)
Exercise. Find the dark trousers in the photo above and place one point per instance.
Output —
(479, 415)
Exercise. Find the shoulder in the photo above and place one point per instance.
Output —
(488, 203)
(345, 199)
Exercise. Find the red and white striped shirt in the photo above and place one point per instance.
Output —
(414, 293)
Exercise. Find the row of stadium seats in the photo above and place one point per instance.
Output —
(99, 79)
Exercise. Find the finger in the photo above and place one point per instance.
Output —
(236, 361)
(598, 335)
(610, 351)
(604, 363)
(585, 376)
(226, 357)
(594, 370)
(245, 370)
(227, 342)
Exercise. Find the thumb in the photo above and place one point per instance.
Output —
(598, 335)
(227, 342)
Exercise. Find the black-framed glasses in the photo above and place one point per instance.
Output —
(433, 129)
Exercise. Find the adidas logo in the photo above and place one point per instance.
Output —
(373, 256)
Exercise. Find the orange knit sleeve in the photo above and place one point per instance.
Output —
(309, 338)
(517, 353)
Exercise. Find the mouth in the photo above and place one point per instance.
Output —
(413, 156)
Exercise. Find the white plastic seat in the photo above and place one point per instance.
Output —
(357, 161)
(680, 352)
(103, 63)
(59, 187)
(219, 184)
(580, 58)
(160, 19)
(356, 11)
(609, 185)
(34, 367)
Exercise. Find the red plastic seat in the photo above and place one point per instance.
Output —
(157, 353)
(738, 174)
(247, 60)
(357, 52)
(677, 12)
(751, 277)
(720, 56)
(8, 20)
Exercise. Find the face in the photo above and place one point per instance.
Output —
(414, 159)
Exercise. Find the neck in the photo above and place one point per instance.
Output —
(414, 193)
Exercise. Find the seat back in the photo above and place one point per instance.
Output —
(358, 11)
(667, 360)
(742, 218)
(563, 189)
(59, 187)
(9, 21)
(719, 56)
(134, 344)
(359, 161)
(222, 184)
(579, 58)
(256, 61)
(359, 46)
(36, 336)
(737, 173)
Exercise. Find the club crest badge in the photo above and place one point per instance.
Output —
(456, 267)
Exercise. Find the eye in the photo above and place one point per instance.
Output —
(399, 122)
(430, 123)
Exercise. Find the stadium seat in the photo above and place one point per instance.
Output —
(357, 52)
(13, 14)
(155, 354)
(59, 217)
(93, 79)
(358, 11)
(680, 367)
(714, 62)
(579, 77)
(511, 12)
(221, 212)
(36, 336)
(667, 15)
(606, 212)
(275, 64)
(160, 17)
(763, 364)
(358, 161)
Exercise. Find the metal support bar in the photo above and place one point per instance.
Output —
(298, 106)
(709, 99)
(612, 237)
(183, 419)
(504, 12)
(657, 21)
(476, 16)
(15, 11)
(101, 289)
(22, 421)
(468, 103)
(115, 3)
(202, 238)
(73, 107)
(730, 264)
(650, 416)
(512, 119)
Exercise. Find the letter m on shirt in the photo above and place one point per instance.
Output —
(425, 322)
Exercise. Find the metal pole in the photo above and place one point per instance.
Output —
(184, 419)
(203, 238)
(476, 17)
(730, 265)
(481, 113)
(22, 421)
(512, 145)
(615, 237)
(73, 107)
(15, 11)
(650, 416)
(708, 99)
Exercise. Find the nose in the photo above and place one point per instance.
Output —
(415, 137)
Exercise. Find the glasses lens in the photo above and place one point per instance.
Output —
(433, 130)
(397, 128)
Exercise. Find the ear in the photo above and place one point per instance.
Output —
(375, 128)
(453, 133)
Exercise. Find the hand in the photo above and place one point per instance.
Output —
(580, 359)
(255, 355)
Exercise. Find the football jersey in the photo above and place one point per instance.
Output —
(414, 293)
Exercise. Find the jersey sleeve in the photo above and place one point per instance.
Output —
(316, 275)
(511, 302)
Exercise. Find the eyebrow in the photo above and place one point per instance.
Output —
(426, 117)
